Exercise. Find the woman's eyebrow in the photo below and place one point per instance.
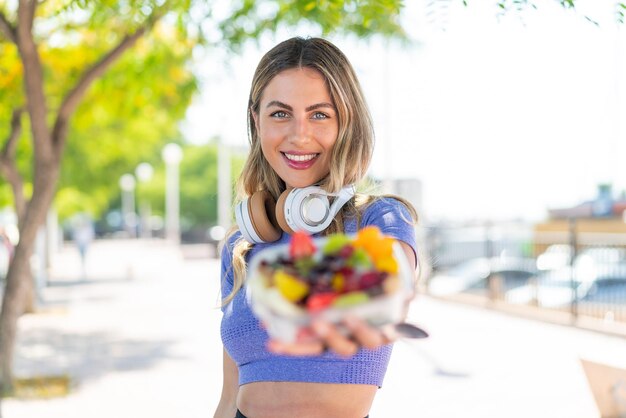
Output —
(279, 104)
(319, 105)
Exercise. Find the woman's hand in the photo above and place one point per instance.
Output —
(326, 336)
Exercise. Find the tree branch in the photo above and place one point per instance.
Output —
(26, 14)
(16, 129)
(8, 166)
(73, 98)
(7, 28)
(33, 80)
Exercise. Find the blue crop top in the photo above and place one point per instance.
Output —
(245, 340)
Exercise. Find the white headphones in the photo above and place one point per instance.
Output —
(308, 209)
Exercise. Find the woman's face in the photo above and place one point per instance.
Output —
(297, 126)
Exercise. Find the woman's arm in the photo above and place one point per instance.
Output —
(410, 256)
(227, 408)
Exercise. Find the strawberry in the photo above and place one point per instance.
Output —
(320, 301)
(301, 245)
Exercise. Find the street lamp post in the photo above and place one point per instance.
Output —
(127, 184)
(144, 172)
(172, 154)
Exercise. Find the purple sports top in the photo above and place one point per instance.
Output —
(245, 341)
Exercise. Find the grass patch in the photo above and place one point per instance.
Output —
(41, 387)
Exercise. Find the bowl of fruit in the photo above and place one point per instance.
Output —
(366, 275)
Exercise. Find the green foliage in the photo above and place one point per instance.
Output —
(127, 115)
(198, 174)
(198, 189)
(251, 18)
(10, 82)
(521, 5)
(198, 186)
(12, 98)
(6, 195)
(70, 200)
(620, 12)
(126, 119)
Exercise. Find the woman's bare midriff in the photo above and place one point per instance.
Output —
(305, 400)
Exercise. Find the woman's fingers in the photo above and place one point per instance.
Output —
(334, 339)
(328, 336)
(364, 334)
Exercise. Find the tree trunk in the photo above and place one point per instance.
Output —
(19, 277)
(12, 308)
(29, 291)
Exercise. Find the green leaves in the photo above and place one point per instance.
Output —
(198, 198)
(249, 19)
(521, 5)
(128, 115)
(620, 12)
(517, 5)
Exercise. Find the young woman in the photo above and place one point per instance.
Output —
(308, 125)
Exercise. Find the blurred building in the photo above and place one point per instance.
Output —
(599, 220)
(411, 190)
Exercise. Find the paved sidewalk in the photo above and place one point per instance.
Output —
(140, 338)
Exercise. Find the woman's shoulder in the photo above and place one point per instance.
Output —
(379, 206)
(391, 215)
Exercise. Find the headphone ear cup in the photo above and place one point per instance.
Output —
(262, 209)
(280, 212)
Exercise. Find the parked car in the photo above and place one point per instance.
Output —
(607, 263)
(554, 288)
(555, 257)
(474, 273)
(593, 268)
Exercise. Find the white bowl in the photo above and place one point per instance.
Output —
(284, 319)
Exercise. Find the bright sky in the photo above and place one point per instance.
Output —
(499, 117)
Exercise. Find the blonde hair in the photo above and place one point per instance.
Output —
(351, 153)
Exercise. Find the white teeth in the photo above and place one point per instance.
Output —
(306, 157)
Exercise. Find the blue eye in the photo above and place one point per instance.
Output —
(279, 114)
(319, 115)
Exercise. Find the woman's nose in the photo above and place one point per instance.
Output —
(301, 131)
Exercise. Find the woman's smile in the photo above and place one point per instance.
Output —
(300, 161)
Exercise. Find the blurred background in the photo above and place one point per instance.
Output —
(504, 123)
